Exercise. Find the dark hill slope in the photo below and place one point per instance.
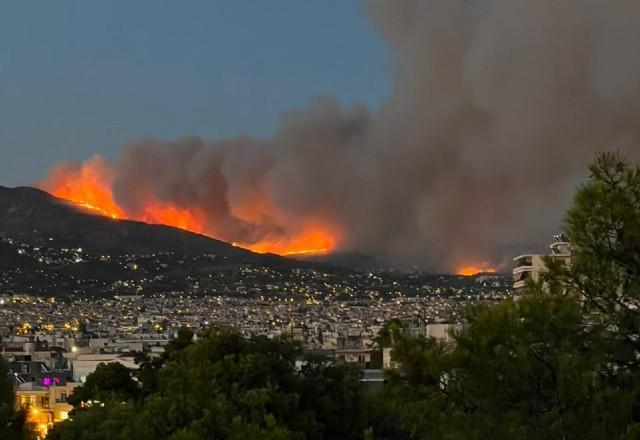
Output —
(35, 217)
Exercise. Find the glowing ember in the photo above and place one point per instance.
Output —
(472, 270)
(88, 185)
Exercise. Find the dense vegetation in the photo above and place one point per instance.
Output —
(222, 386)
(561, 362)
(12, 421)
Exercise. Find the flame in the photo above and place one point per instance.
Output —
(314, 240)
(88, 185)
(474, 270)
(162, 214)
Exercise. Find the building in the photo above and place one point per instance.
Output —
(357, 356)
(45, 404)
(83, 364)
(530, 266)
(34, 351)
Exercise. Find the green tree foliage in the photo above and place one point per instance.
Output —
(183, 339)
(604, 226)
(108, 382)
(390, 330)
(224, 386)
(12, 420)
(147, 373)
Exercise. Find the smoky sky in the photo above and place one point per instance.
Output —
(497, 106)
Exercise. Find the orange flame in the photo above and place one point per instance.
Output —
(88, 185)
(182, 218)
(474, 270)
(314, 240)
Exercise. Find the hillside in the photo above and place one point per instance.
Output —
(35, 217)
(50, 246)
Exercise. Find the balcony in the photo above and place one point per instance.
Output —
(523, 261)
(521, 269)
(519, 284)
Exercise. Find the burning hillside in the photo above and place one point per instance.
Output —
(89, 185)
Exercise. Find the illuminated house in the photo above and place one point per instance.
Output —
(46, 403)
(530, 266)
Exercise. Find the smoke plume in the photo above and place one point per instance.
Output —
(495, 110)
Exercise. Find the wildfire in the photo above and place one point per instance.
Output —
(97, 209)
(473, 270)
(88, 185)
(187, 219)
(313, 240)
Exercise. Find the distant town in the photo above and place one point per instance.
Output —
(310, 304)
(64, 311)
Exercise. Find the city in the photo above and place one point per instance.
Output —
(330, 220)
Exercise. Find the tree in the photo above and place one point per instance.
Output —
(224, 386)
(334, 395)
(107, 382)
(12, 420)
(604, 227)
(183, 340)
(95, 423)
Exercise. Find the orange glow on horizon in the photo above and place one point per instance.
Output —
(89, 186)
(473, 270)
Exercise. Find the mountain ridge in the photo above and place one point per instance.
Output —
(36, 217)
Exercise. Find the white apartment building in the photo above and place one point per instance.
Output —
(530, 266)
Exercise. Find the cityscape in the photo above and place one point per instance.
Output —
(64, 338)
(330, 220)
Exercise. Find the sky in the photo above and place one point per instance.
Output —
(79, 78)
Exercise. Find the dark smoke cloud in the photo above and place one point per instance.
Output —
(497, 106)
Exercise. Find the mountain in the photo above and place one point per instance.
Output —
(37, 218)
(52, 247)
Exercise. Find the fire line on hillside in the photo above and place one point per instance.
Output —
(90, 189)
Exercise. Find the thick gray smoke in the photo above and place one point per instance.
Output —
(497, 106)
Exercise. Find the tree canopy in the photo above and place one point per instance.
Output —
(12, 420)
(221, 386)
